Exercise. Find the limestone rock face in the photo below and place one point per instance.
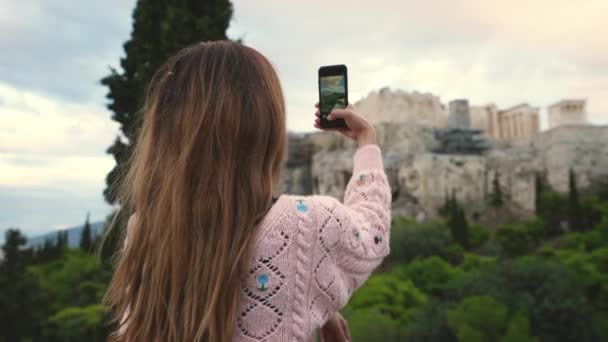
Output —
(583, 148)
(421, 180)
(403, 107)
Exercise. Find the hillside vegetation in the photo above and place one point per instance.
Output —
(450, 280)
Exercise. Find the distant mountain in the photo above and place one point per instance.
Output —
(73, 235)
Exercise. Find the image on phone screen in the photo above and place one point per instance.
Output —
(333, 93)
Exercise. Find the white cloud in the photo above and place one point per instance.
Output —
(31, 123)
(487, 51)
(53, 160)
(54, 129)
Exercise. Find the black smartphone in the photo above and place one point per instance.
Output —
(333, 93)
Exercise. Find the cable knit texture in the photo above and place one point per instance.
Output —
(312, 252)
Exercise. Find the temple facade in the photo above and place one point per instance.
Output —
(517, 122)
(567, 112)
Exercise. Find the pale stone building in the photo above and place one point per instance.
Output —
(485, 118)
(567, 112)
(398, 106)
(521, 121)
(518, 122)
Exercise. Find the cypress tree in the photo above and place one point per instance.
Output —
(16, 295)
(86, 239)
(13, 261)
(496, 199)
(47, 251)
(457, 222)
(444, 210)
(575, 217)
(160, 28)
(539, 189)
(62, 241)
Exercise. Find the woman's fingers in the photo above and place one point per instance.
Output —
(340, 114)
(345, 330)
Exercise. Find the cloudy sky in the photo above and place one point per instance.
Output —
(54, 127)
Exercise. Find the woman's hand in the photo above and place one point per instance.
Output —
(358, 128)
(335, 330)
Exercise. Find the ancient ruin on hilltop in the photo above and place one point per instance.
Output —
(430, 152)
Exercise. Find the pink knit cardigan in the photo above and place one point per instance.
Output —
(312, 252)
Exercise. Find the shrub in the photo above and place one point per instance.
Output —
(552, 293)
(518, 239)
(429, 323)
(519, 328)
(478, 318)
(371, 325)
(77, 324)
(478, 235)
(454, 253)
(553, 209)
(430, 274)
(591, 271)
(411, 240)
(389, 295)
(474, 261)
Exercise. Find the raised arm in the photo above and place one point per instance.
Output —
(346, 241)
(358, 229)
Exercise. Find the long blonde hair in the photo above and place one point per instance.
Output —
(206, 165)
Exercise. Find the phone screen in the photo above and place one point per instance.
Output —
(333, 93)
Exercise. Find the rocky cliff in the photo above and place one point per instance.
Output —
(321, 163)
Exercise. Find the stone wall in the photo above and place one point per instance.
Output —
(399, 106)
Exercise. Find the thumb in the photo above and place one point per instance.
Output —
(340, 114)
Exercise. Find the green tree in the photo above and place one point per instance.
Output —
(496, 196)
(575, 217)
(370, 325)
(411, 240)
(75, 279)
(478, 235)
(519, 239)
(86, 238)
(539, 189)
(459, 227)
(77, 324)
(61, 241)
(554, 296)
(429, 323)
(478, 318)
(446, 207)
(389, 294)
(553, 210)
(13, 262)
(15, 293)
(160, 28)
(519, 328)
(429, 275)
